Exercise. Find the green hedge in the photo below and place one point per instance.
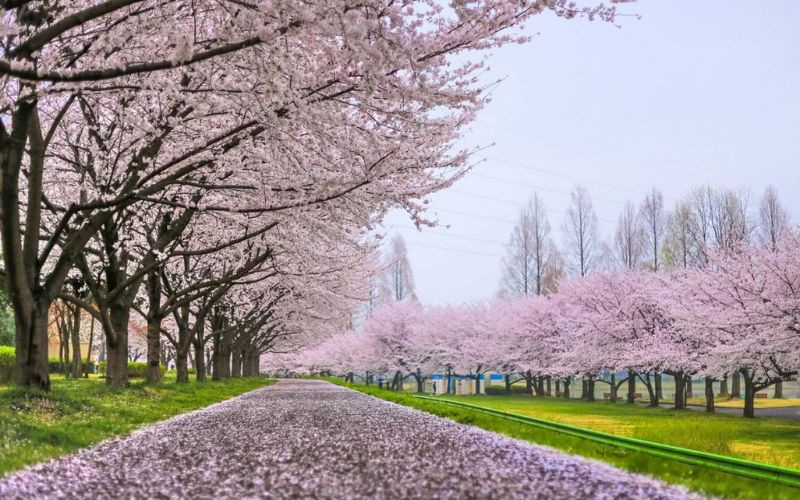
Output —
(500, 390)
(55, 366)
(7, 364)
(136, 369)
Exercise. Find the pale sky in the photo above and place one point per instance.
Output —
(692, 93)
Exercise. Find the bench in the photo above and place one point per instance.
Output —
(761, 395)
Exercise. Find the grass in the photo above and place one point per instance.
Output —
(769, 440)
(723, 402)
(36, 426)
(692, 430)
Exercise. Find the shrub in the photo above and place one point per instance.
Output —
(7, 364)
(55, 366)
(500, 390)
(136, 369)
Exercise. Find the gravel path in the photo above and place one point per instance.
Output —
(314, 439)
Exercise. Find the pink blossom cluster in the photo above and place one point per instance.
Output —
(739, 314)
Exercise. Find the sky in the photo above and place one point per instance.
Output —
(692, 93)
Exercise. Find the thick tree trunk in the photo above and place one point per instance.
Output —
(31, 347)
(613, 387)
(549, 391)
(154, 318)
(117, 347)
(420, 382)
(584, 388)
(590, 388)
(778, 394)
(736, 389)
(680, 391)
(508, 383)
(709, 395)
(723, 386)
(478, 383)
(199, 361)
(659, 387)
(566, 388)
(528, 383)
(221, 358)
(558, 387)
(749, 396)
(182, 366)
(236, 363)
(631, 396)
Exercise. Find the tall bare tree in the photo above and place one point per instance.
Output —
(399, 278)
(679, 249)
(629, 238)
(773, 218)
(582, 248)
(654, 227)
(531, 256)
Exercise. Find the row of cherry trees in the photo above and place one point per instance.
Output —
(738, 315)
(215, 165)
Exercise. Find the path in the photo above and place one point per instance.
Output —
(314, 439)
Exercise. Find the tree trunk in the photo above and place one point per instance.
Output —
(508, 383)
(736, 390)
(584, 388)
(566, 388)
(723, 386)
(749, 396)
(549, 390)
(613, 387)
(680, 391)
(590, 388)
(89, 349)
(154, 318)
(182, 366)
(709, 395)
(528, 383)
(76, 344)
(631, 397)
(199, 361)
(236, 363)
(689, 393)
(31, 347)
(117, 347)
(478, 383)
(778, 390)
(558, 387)
(659, 387)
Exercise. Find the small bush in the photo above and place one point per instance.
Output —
(56, 367)
(136, 369)
(7, 364)
(500, 390)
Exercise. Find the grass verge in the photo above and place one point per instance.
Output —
(695, 478)
(36, 426)
(763, 439)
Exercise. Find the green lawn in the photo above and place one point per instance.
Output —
(694, 430)
(36, 426)
(769, 440)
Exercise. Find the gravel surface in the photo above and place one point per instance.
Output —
(314, 439)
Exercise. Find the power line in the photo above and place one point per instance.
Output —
(474, 216)
(448, 249)
(451, 235)
(500, 200)
(541, 188)
(571, 177)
